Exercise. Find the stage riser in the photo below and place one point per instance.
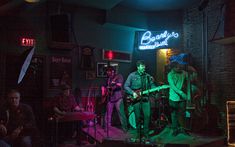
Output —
(115, 143)
(221, 143)
(163, 139)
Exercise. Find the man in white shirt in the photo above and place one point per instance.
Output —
(179, 94)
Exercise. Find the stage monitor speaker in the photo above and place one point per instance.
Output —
(113, 143)
(120, 143)
(177, 145)
(59, 28)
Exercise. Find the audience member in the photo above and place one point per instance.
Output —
(17, 122)
(64, 104)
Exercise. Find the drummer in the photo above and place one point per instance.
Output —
(65, 103)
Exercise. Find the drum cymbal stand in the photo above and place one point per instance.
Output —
(107, 119)
(162, 118)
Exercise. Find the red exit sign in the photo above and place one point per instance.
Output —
(27, 42)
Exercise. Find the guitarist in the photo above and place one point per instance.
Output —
(178, 79)
(140, 80)
(113, 94)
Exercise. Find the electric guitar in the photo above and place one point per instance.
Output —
(133, 101)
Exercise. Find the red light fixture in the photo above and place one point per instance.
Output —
(116, 56)
(109, 55)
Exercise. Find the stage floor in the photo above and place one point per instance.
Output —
(160, 139)
(114, 133)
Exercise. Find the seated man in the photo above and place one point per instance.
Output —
(64, 104)
(17, 122)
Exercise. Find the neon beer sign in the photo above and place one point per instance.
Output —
(152, 41)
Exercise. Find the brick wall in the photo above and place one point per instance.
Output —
(221, 69)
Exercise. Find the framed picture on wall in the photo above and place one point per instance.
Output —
(102, 67)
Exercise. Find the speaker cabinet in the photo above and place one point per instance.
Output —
(59, 25)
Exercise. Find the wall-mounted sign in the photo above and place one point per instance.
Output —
(27, 42)
(148, 40)
(119, 56)
(60, 71)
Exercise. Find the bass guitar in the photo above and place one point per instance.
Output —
(133, 101)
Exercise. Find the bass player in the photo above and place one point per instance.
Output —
(179, 80)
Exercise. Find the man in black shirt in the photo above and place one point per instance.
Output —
(17, 122)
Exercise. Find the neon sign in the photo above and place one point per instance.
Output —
(150, 41)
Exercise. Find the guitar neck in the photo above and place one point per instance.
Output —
(154, 89)
(149, 90)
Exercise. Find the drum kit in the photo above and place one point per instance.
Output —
(159, 116)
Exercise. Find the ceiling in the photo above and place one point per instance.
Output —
(142, 5)
(158, 5)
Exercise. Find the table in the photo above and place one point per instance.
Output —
(75, 116)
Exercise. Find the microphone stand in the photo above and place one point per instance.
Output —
(107, 121)
(189, 104)
(107, 108)
(141, 118)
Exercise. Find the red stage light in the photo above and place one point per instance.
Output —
(116, 56)
(109, 55)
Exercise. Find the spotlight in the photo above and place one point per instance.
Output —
(32, 1)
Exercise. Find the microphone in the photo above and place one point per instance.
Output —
(143, 73)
